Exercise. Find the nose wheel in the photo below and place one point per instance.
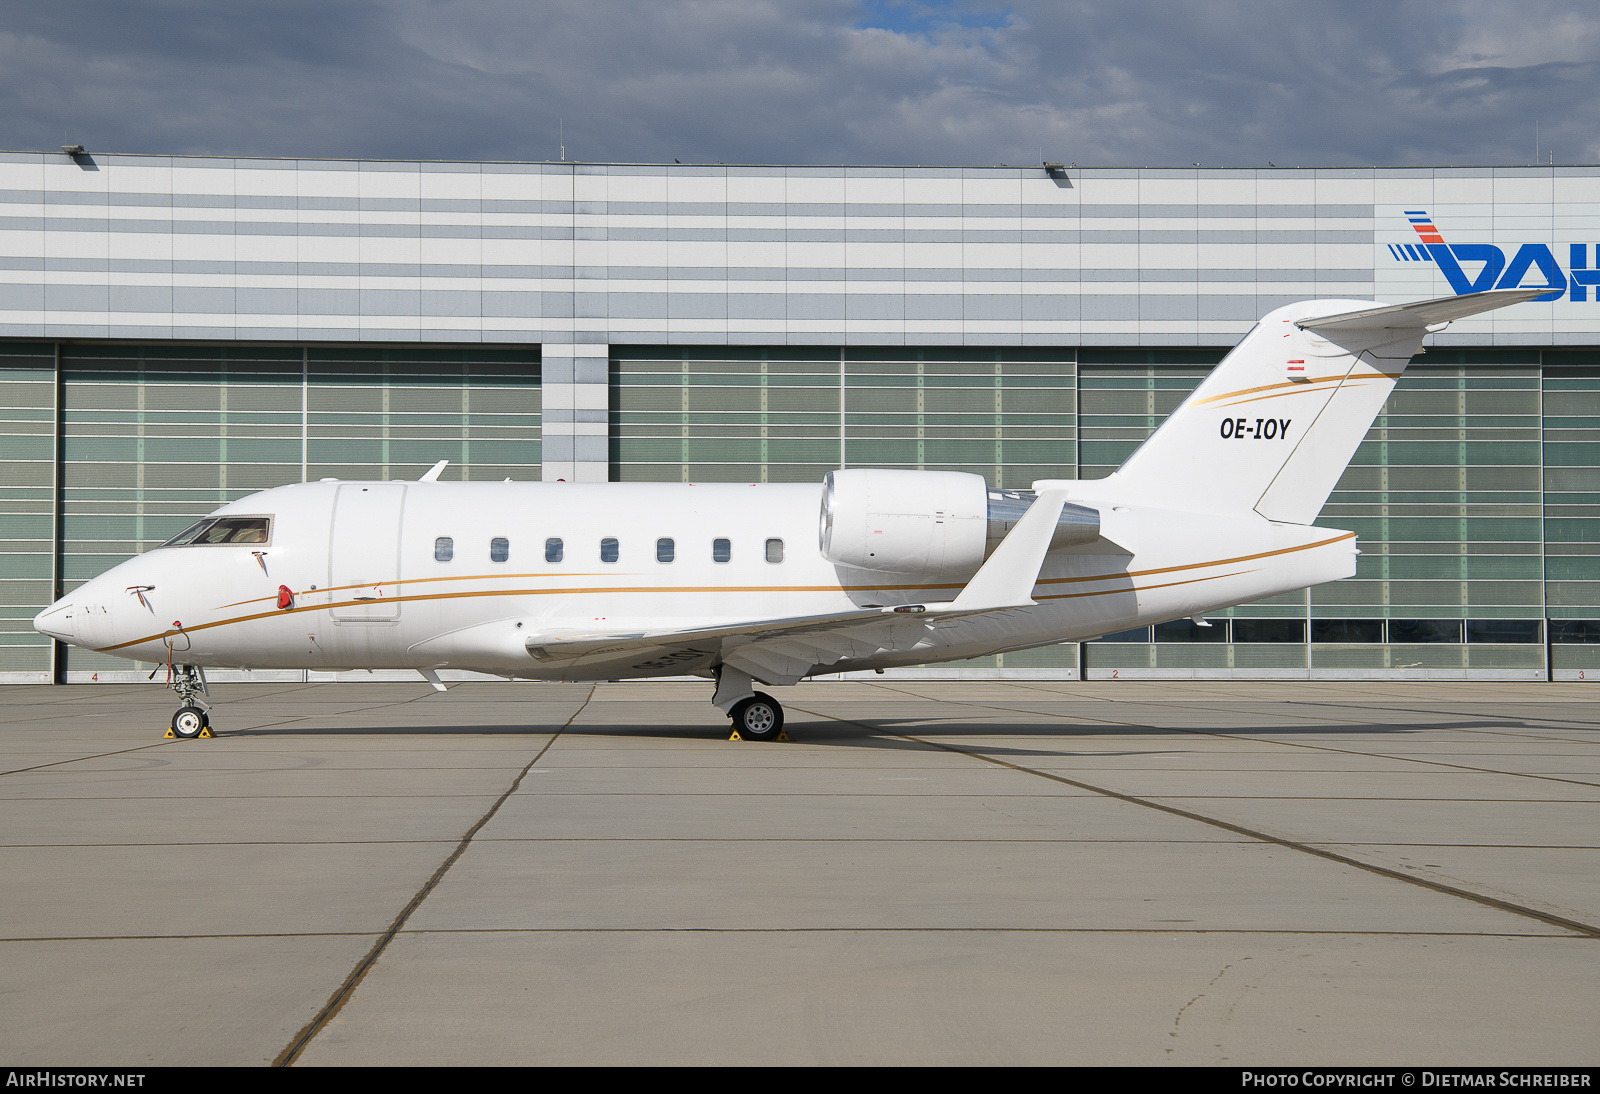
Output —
(192, 719)
(189, 723)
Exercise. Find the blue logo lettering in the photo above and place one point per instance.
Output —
(1495, 273)
(1582, 275)
(1535, 254)
(1492, 257)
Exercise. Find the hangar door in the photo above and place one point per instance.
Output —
(154, 436)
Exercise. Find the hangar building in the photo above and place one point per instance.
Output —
(176, 332)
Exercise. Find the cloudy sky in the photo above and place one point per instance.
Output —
(1135, 82)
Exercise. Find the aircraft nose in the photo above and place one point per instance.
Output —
(57, 620)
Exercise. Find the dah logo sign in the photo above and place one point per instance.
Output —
(1534, 259)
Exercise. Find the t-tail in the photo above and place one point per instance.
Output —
(1276, 423)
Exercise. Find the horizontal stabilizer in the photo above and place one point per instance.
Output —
(1422, 313)
(1007, 578)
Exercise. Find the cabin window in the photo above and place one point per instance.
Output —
(444, 549)
(774, 550)
(499, 549)
(608, 550)
(721, 550)
(553, 550)
(665, 549)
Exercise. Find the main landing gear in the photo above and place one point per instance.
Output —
(756, 715)
(758, 718)
(192, 719)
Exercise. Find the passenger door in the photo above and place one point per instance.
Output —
(364, 552)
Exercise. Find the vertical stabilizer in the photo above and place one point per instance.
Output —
(1276, 423)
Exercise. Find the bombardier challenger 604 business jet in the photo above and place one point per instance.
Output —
(738, 583)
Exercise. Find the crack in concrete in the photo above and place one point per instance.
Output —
(342, 995)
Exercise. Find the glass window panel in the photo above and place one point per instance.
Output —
(774, 550)
(1504, 630)
(444, 549)
(1347, 630)
(1269, 630)
(1424, 630)
(553, 550)
(721, 550)
(1570, 631)
(1187, 630)
(1138, 634)
(665, 550)
(499, 549)
(608, 550)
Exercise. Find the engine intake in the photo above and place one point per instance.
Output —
(928, 522)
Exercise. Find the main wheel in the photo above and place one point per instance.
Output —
(189, 722)
(758, 718)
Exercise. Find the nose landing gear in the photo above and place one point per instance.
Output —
(190, 722)
(192, 719)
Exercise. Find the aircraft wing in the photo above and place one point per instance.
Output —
(555, 647)
(783, 650)
(779, 650)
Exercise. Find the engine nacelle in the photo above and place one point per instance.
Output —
(928, 522)
(909, 522)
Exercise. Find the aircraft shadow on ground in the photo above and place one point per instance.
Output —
(831, 734)
(876, 732)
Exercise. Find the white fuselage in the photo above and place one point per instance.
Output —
(368, 590)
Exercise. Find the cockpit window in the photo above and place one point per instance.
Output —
(220, 530)
(189, 533)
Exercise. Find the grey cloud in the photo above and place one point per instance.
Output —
(808, 81)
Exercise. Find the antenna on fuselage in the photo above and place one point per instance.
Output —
(432, 474)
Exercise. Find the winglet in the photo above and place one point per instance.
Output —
(432, 474)
(1007, 579)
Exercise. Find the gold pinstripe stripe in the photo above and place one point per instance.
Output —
(471, 593)
(1279, 395)
(400, 581)
(1297, 385)
(466, 594)
(1199, 565)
